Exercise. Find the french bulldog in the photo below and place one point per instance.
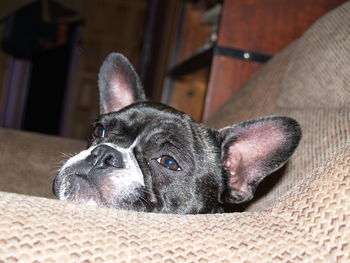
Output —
(150, 157)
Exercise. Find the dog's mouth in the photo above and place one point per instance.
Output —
(98, 190)
(79, 188)
(95, 194)
(95, 177)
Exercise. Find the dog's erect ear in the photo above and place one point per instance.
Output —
(118, 84)
(254, 149)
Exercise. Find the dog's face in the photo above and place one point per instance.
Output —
(147, 156)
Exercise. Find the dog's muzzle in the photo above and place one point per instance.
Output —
(101, 175)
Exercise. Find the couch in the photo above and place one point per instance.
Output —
(300, 214)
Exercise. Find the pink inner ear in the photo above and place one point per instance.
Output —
(246, 156)
(236, 181)
(121, 95)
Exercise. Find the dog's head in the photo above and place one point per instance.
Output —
(147, 156)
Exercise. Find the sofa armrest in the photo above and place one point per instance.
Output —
(29, 161)
(312, 227)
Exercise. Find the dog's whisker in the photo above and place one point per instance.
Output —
(145, 201)
(148, 192)
(68, 155)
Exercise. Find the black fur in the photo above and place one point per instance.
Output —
(211, 166)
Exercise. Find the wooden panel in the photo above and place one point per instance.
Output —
(110, 25)
(194, 32)
(226, 78)
(268, 26)
(189, 90)
(189, 93)
(260, 26)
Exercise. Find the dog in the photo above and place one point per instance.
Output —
(150, 157)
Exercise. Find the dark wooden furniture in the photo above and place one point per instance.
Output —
(108, 26)
(201, 81)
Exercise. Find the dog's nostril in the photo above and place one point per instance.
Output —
(104, 156)
(108, 160)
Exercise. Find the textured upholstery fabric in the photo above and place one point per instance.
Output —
(304, 217)
(309, 225)
(324, 131)
(318, 76)
(29, 161)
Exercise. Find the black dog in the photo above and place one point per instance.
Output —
(147, 156)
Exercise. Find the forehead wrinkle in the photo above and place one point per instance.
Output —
(169, 142)
(155, 129)
(145, 122)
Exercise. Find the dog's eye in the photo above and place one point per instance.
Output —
(99, 131)
(169, 162)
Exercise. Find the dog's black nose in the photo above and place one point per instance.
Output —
(104, 156)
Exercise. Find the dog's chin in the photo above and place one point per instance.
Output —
(107, 191)
(78, 188)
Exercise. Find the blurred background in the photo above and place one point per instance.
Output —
(193, 55)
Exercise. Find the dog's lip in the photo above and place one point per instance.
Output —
(86, 178)
(83, 176)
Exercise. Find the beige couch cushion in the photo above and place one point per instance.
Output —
(324, 132)
(29, 161)
(318, 76)
(307, 224)
(310, 225)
